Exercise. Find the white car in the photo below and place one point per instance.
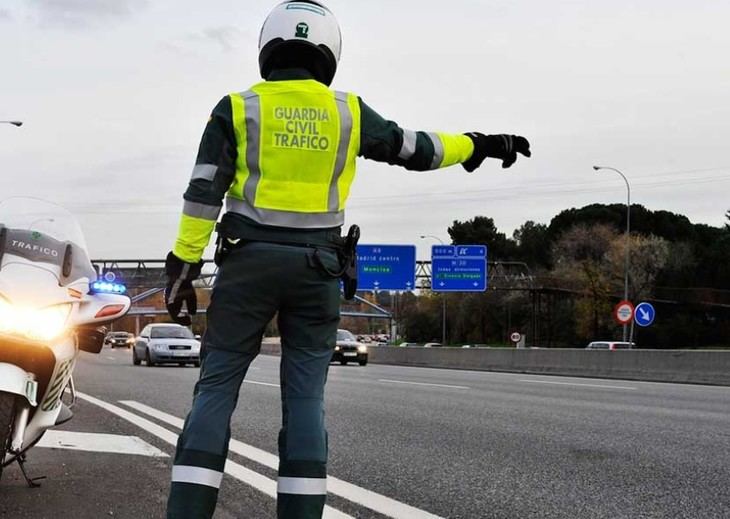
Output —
(166, 344)
(611, 345)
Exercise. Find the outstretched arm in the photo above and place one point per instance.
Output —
(385, 141)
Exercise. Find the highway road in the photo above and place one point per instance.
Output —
(411, 443)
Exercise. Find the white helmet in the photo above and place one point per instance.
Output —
(301, 30)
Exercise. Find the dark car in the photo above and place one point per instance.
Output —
(349, 350)
(119, 340)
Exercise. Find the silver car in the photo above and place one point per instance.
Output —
(166, 344)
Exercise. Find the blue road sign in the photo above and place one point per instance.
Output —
(386, 267)
(459, 268)
(644, 314)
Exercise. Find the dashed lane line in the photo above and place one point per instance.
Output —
(576, 385)
(247, 476)
(420, 384)
(361, 496)
(94, 442)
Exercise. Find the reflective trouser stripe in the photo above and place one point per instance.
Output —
(438, 150)
(302, 486)
(196, 476)
(408, 149)
(285, 218)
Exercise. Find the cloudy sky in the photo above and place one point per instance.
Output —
(115, 94)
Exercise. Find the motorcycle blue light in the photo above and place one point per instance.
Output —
(109, 288)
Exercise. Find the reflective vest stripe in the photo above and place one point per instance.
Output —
(438, 150)
(196, 476)
(285, 218)
(203, 211)
(302, 486)
(409, 145)
(204, 172)
(343, 109)
(253, 149)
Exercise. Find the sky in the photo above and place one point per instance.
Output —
(115, 95)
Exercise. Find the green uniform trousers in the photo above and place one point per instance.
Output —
(256, 281)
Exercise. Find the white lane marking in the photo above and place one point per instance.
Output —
(92, 442)
(420, 383)
(260, 383)
(112, 358)
(247, 476)
(376, 502)
(575, 385)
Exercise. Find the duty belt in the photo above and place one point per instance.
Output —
(346, 248)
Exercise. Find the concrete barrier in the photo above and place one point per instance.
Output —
(686, 366)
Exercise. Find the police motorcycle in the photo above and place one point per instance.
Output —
(51, 307)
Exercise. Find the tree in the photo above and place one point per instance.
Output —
(482, 231)
(582, 260)
(533, 244)
(648, 256)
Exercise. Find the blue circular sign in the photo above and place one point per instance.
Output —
(644, 314)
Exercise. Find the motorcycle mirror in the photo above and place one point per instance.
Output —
(3, 235)
(68, 261)
(91, 340)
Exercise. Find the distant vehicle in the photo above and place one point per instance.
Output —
(348, 349)
(611, 345)
(119, 339)
(474, 346)
(432, 345)
(408, 344)
(166, 344)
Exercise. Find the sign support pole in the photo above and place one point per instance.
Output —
(443, 324)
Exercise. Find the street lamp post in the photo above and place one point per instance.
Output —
(628, 232)
(14, 123)
(443, 295)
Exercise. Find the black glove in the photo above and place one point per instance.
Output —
(505, 147)
(179, 289)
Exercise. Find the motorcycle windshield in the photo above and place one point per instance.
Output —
(46, 235)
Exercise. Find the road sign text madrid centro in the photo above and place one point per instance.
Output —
(386, 267)
(459, 268)
(644, 314)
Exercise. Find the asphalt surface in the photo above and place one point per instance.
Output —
(446, 443)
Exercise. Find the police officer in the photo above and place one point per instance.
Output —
(282, 154)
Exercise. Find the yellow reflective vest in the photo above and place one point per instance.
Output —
(297, 146)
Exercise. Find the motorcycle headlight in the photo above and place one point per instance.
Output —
(42, 324)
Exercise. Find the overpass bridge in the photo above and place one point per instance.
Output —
(146, 278)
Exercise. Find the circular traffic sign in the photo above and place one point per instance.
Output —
(516, 337)
(623, 312)
(645, 314)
